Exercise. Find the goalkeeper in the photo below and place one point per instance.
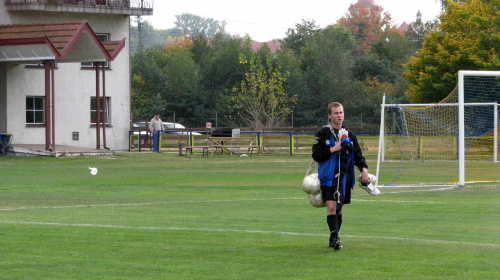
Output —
(337, 151)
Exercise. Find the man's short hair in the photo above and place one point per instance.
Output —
(334, 105)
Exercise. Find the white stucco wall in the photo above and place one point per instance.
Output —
(73, 88)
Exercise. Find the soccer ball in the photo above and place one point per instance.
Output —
(316, 200)
(311, 184)
(93, 170)
(369, 188)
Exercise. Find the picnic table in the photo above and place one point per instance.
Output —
(234, 145)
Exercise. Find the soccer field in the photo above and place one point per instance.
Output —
(161, 216)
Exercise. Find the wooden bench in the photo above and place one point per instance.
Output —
(253, 147)
(191, 148)
(141, 138)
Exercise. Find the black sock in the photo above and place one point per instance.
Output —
(332, 224)
(339, 221)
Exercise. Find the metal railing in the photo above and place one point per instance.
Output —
(120, 4)
(269, 143)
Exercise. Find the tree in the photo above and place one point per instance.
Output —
(371, 66)
(194, 24)
(327, 65)
(296, 39)
(182, 80)
(386, 57)
(147, 83)
(221, 71)
(366, 23)
(166, 81)
(261, 99)
(469, 39)
(444, 3)
(294, 85)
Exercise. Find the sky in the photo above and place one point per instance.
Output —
(264, 20)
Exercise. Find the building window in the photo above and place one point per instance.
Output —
(35, 110)
(101, 37)
(93, 110)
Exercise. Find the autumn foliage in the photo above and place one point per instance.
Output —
(468, 39)
(366, 23)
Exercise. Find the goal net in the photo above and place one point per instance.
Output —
(428, 144)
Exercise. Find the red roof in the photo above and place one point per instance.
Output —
(403, 27)
(60, 37)
(273, 46)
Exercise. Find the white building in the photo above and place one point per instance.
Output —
(57, 59)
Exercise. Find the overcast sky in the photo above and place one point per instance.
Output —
(265, 20)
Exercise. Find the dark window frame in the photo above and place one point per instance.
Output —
(93, 109)
(35, 110)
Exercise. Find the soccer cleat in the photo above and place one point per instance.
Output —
(369, 187)
(335, 244)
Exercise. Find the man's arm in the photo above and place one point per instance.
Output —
(150, 126)
(160, 124)
(320, 150)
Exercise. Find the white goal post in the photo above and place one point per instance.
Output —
(450, 122)
(461, 119)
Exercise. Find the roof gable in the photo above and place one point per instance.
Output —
(70, 41)
(403, 27)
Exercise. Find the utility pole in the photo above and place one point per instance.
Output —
(139, 31)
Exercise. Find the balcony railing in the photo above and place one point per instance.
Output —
(74, 5)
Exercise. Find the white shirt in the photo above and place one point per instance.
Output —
(155, 124)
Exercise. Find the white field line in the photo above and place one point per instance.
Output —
(248, 231)
(421, 189)
(445, 186)
(374, 199)
(206, 201)
(143, 203)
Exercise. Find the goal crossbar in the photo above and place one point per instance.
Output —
(440, 104)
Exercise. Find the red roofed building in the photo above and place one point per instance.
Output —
(65, 71)
(403, 27)
(273, 46)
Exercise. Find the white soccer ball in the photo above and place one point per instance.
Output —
(316, 200)
(93, 170)
(369, 188)
(311, 184)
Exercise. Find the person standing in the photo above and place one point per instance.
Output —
(155, 124)
(337, 151)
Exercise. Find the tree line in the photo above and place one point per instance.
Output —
(207, 75)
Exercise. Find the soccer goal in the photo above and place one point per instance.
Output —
(428, 144)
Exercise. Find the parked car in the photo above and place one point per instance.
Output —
(168, 127)
(143, 132)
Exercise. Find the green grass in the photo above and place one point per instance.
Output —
(161, 216)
